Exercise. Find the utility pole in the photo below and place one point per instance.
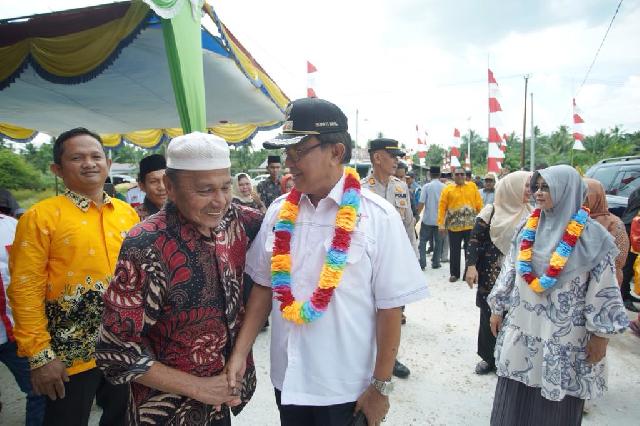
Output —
(524, 123)
(357, 140)
(532, 155)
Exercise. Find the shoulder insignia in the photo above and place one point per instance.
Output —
(399, 188)
(372, 181)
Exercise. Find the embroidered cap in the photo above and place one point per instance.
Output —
(198, 151)
(308, 116)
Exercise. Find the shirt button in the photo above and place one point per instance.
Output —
(92, 252)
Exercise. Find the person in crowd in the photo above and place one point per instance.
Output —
(635, 324)
(429, 201)
(414, 191)
(151, 182)
(270, 189)
(478, 181)
(489, 243)
(459, 204)
(632, 210)
(354, 312)
(287, 183)
(174, 307)
(19, 366)
(61, 262)
(599, 210)
(562, 302)
(488, 191)
(8, 204)
(383, 180)
(468, 177)
(244, 194)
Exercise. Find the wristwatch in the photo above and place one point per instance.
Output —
(384, 387)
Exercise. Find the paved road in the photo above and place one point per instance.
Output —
(438, 344)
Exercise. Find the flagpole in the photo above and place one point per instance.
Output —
(524, 123)
(533, 140)
(357, 140)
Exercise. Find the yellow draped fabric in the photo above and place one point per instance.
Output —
(232, 133)
(16, 133)
(74, 54)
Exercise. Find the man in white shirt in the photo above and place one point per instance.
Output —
(325, 366)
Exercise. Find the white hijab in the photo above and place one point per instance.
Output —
(508, 209)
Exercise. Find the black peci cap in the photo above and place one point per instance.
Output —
(308, 116)
(273, 159)
(150, 164)
(389, 145)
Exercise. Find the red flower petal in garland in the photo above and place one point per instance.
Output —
(285, 298)
(526, 244)
(283, 235)
(294, 196)
(321, 298)
(536, 213)
(553, 272)
(570, 239)
(351, 183)
(281, 247)
(341, 239)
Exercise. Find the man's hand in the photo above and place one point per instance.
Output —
(471, 277)
(443, 232)
(50, 379)
(235, 369)
(215, 391)
(374, 405)
(496, 324)
(596, 349)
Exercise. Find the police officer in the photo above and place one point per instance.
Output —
(384, 155)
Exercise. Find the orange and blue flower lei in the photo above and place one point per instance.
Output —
(558, 258)
(335, 260)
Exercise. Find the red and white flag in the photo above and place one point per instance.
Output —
(311, 80)
(578, 132)
(455, 149)
(421, 141)
(497, 145)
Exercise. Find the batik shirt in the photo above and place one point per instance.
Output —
(61, 261)
(542, 342)
(269, 191)
(459, 205)
(146, 209)
(176, 298)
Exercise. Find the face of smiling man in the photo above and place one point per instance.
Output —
(202, 196)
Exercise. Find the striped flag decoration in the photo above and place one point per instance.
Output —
(455, 149)
(311, 80)
(578, 132)
(497, 145)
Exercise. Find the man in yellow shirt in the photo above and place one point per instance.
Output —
(62, 259)
(457, 210)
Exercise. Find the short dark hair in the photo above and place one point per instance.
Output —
(402, 165)
(335, 138)
(64, 136)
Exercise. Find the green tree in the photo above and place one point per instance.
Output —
(40, 157)
(435, 154)
(16, 173)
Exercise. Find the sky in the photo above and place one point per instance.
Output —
(402, 63)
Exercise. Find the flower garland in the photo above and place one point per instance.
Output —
(335, 260)
(558, 258)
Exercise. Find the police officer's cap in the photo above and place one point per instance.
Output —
(389, 145)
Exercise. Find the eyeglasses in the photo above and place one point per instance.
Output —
(297, 154)
(542, 188)
(458, 174)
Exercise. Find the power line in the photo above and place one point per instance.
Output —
(600, 47)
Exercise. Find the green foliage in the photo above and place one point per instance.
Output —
(435, 154)
(17, 173)
(129, 154)
(39, 157)
(244, 158)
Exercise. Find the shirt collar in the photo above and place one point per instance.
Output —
(336, 192)
(82, 202)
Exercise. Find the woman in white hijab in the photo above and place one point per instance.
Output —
(244, 194)
(558, 287)
(489, 242)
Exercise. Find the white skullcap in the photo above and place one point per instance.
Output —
(198, 151)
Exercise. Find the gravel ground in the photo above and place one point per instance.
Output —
(438, 344)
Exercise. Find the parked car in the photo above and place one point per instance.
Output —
(620, 177)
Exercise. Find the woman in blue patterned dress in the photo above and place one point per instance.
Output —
(551, 346)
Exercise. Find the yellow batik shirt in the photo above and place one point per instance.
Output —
(61, 262)
(458, 207)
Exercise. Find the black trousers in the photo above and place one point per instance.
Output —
(486, 339)
(304, 415)
(627, 276)
(74, 409)
(455, 246)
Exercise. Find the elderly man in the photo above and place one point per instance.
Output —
(151, 182)
(174, 308)
(270, 188)
(61, 262)
(329, 253)
(488, 191)
(459, 204)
